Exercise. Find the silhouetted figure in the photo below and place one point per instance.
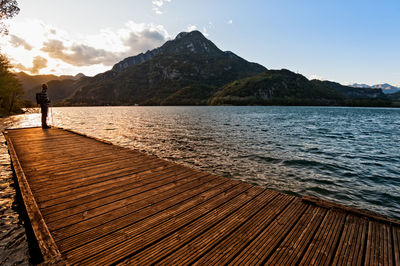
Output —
(44, 106)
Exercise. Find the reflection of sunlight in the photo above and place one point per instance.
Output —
(32, 118)
(27, 120)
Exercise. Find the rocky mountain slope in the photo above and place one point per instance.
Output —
(185, 71)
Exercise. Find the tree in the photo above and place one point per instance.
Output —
(8, 9)
(10, 88)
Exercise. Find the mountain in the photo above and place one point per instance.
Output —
(360, 85)
(281, 87)
(31, 84)
(386, 88)
(352, 92)
(58, 90)
(185, 42)
(28, 81)
(187, 70)
(395, 97)
(191, 70)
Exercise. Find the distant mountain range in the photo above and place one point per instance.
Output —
(61, 86)
(191, 70)
(386, 88)
(28, 81)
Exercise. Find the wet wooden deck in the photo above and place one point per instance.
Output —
(94, 203)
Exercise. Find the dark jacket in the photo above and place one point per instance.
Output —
(44, 99)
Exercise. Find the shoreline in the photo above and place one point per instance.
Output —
(15, 241)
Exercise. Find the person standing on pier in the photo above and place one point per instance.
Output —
(44, 106)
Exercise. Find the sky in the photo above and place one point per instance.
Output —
(349, 41)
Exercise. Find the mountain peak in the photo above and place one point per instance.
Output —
(190, 34)
(192, 42)
(181, 35)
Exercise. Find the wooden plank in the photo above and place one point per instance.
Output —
(148, 231)
(92, 201)
(44, 239)
(352, 243)
(264, 244)
(84, 210)
(359, 212)
(69, 158)
(184, 246)
(321, 249)
(396, 244)
(97, 187)
(154, 193)
(117, 175)
(291, 250)
(103, 194)
(369, 256)
(217, 214)
(225, 250)
(68, 186)
(165, 210)
(87, 175)
(93, 166)
(56, 146)
(379, 244)
(80, 179)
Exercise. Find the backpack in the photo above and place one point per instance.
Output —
(39, 98)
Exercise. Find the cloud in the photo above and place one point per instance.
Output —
(138, 42)
(17, 42)
(157, 4)
(191, 27)
(204, 31)
(70, 53)
(230, 22)
(38, 63)
(315, 76)
(78, 54)
(135, 40)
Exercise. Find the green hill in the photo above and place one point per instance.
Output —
(283, 87)
(277, 87)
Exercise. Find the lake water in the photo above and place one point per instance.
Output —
(347, 155)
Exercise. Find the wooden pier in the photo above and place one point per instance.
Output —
(90, 202)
